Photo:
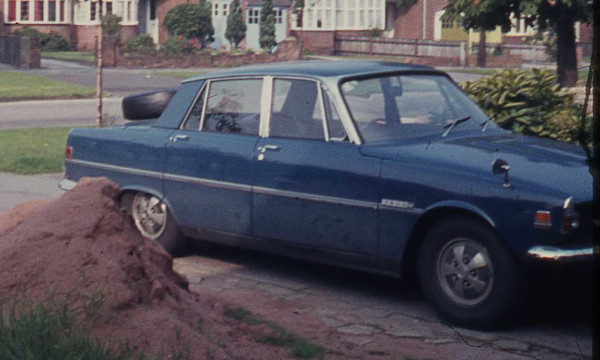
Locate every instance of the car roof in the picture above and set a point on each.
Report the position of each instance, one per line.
(319, 69)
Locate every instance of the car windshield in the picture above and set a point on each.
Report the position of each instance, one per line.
(391, 107)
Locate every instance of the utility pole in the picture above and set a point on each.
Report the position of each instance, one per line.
(99, 63)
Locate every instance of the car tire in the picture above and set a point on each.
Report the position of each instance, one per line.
(154, 221)
(468, 275)
(147, 105)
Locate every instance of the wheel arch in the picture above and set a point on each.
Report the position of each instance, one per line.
(432, 215)
(127, 193)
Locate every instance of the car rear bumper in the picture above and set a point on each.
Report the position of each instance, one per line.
(559, 254)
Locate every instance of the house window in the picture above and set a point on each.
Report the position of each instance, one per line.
(52, 10)
(447, 24)
(344, 15)
(93, 11)
(278, 16)
(39, 11)
(24, 10)
(224, 9)
(216, 9)
(253, 16)
(109, 8)
(12, 10)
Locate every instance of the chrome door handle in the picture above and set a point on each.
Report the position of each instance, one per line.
(262, 149)
(177, 138)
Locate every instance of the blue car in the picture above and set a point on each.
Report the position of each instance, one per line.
(382, 167)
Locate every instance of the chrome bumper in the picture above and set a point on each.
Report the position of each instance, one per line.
(557, 254)
(67, 184)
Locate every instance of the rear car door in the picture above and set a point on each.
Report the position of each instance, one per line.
(313, 187)
(207, 176)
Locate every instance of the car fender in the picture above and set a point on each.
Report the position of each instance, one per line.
(463, 205)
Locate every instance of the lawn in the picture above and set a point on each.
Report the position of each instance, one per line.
(79, 56)
(33, 151)
(19, 86)
(177, 74)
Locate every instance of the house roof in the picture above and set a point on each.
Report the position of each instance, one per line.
(278, 3)
(320, 69)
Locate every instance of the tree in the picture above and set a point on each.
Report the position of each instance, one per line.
(236, 28)
(112, 28)
(560, 15)
(191, 21)
(482, 15)
(267, 26)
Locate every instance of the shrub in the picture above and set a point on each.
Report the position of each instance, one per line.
(139, 45)
(177, 46)
(50, 42)
(111, 24)
(527, 102)
(191, 21)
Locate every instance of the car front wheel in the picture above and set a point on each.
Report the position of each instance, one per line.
(468, 275)
(154, 221)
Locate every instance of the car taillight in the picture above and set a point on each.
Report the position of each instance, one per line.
(543, 219)
(68, 152)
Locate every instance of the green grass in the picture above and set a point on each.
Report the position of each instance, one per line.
(33, 151)
(279, 336)
(79, 56)
(41, 331)
(18, 86)
(177, 74)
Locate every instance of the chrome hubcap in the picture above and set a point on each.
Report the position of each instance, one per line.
(149, 215)
(465, 272)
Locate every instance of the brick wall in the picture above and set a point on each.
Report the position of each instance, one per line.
(317, 42)
(23, 52)
(504, 61)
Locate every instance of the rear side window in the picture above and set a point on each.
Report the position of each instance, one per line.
(296, 110)
(233, 106)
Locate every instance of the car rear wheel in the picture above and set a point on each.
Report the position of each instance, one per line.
(154, 221)
(468, 275)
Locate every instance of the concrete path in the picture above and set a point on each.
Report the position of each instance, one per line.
(16, 189)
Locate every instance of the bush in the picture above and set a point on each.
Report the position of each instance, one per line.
(191, 21)
(139, 45)
(50, 42)
(177, 46)
(527, 102)
(111, 24)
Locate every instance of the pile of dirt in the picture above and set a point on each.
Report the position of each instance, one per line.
(82, 250)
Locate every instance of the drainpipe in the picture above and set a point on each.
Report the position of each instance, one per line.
(424, 19)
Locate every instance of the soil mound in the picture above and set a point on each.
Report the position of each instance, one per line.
(81, 249)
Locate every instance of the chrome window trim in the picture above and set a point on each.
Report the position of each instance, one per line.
(343, 112)
(189, 111)
(323, 114)
(266, 101)
(204, 103)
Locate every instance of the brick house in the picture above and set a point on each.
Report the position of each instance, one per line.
(76, 20)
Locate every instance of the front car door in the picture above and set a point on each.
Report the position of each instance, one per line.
(208, 167)
(313, 187)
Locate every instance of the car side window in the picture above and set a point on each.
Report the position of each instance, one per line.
(296, 110)
(193, 120)
(334, 122)
(233, 106)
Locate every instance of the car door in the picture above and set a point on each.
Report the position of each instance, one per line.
(208, 167)
(312, 186)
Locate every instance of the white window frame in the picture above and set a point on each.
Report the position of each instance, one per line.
(342, 15)
(45, 13)
(126, 9)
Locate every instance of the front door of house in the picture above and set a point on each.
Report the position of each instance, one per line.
(148, 20)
